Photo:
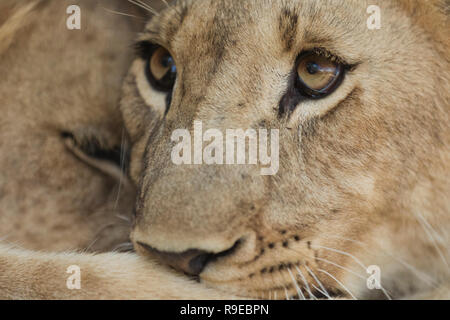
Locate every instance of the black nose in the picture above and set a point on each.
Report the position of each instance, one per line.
(191, 262)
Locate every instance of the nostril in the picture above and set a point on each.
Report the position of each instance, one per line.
(192, 262)
(198, 263)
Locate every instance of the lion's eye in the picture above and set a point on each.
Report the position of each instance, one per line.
(161, 69)
(317, 75)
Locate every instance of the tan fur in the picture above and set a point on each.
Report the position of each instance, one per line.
(50, 87)
(364, 173)
(54, 197)
(17, 21)
(32, 275)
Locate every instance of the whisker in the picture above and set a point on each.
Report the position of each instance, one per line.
(319, 290)
(357, 261)
(429, 226)
(274, 282)
(304, 279)
(354, 273)
(308, 289)
(123, 218)
(344, 253)
(299, 291)
(429, 231)
(340, 283)
(420, 274)
(166, 3)
(122, 167)
(122, 13)
(88, 248)
(171, 7)
(385, 292)
(98, 235)
(14, 245)
(144, 6)
(341, 267)
(323, 291)
(286, 293)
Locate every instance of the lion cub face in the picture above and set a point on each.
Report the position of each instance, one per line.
(363, 147)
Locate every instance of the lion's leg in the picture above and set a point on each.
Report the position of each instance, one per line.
(32, 275)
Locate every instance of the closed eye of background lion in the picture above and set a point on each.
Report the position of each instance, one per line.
(363, 179)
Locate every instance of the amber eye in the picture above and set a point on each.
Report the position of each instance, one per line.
(318, 76)
(161, 69)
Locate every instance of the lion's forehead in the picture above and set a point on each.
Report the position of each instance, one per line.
(209, 27)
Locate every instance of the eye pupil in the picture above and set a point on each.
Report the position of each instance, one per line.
(312, 68)
(166, 61)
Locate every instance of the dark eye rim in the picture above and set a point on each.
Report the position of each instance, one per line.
(145, 51)
(310, 93)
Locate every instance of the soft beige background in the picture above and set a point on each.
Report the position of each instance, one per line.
(52, 81)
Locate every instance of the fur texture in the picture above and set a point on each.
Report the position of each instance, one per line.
(364, 173)
(59, 88)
